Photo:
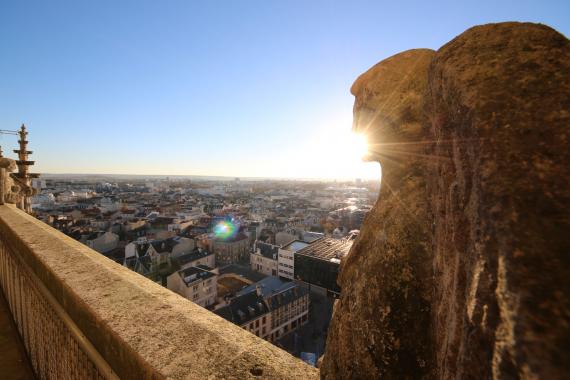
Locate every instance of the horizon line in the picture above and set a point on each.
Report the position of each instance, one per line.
(214, 176)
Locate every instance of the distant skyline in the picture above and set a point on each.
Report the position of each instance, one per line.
(217, 88)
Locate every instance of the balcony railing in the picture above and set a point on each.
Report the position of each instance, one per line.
(82, 316)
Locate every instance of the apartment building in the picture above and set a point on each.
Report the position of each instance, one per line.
(264, 258)
(198, 284)
(231, 250)
(288, 305)
(286, 258)
(318, 264)
(249, 311)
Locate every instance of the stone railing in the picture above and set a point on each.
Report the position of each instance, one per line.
(80, 315)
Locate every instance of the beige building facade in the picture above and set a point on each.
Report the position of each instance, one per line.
(264, 259)
(231, 250)
(198, 284)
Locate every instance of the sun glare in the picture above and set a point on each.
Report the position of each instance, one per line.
(358, 145)
(341, 155)
(335, 152)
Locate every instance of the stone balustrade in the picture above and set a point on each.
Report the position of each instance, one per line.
(80, 315)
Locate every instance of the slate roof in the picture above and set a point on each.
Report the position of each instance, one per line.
(286, 296)
(161, 246)
(268, 250)
(93, 235)
(275, 291)
(164, 246)
(244, 308)
(196, 274)
(196, 254)
(161, 220)
(268, 286)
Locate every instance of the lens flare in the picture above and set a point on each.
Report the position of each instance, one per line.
(224, 230)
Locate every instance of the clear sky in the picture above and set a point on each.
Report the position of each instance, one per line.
(236, 87)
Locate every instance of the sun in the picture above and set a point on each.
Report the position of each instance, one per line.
(337, 153)
(356, 145)
(361, 145)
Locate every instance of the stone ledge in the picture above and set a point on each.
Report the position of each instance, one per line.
(143, 330)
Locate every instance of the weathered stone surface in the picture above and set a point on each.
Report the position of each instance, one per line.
(462, 269)
(141, 329)
(9, 191)
(383, 313)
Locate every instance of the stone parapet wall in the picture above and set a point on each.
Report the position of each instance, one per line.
(140, 329)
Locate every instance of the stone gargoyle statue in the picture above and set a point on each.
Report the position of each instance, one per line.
(10, 191)
(462, 268)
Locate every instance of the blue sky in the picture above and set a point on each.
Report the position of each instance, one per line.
(237, 88)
